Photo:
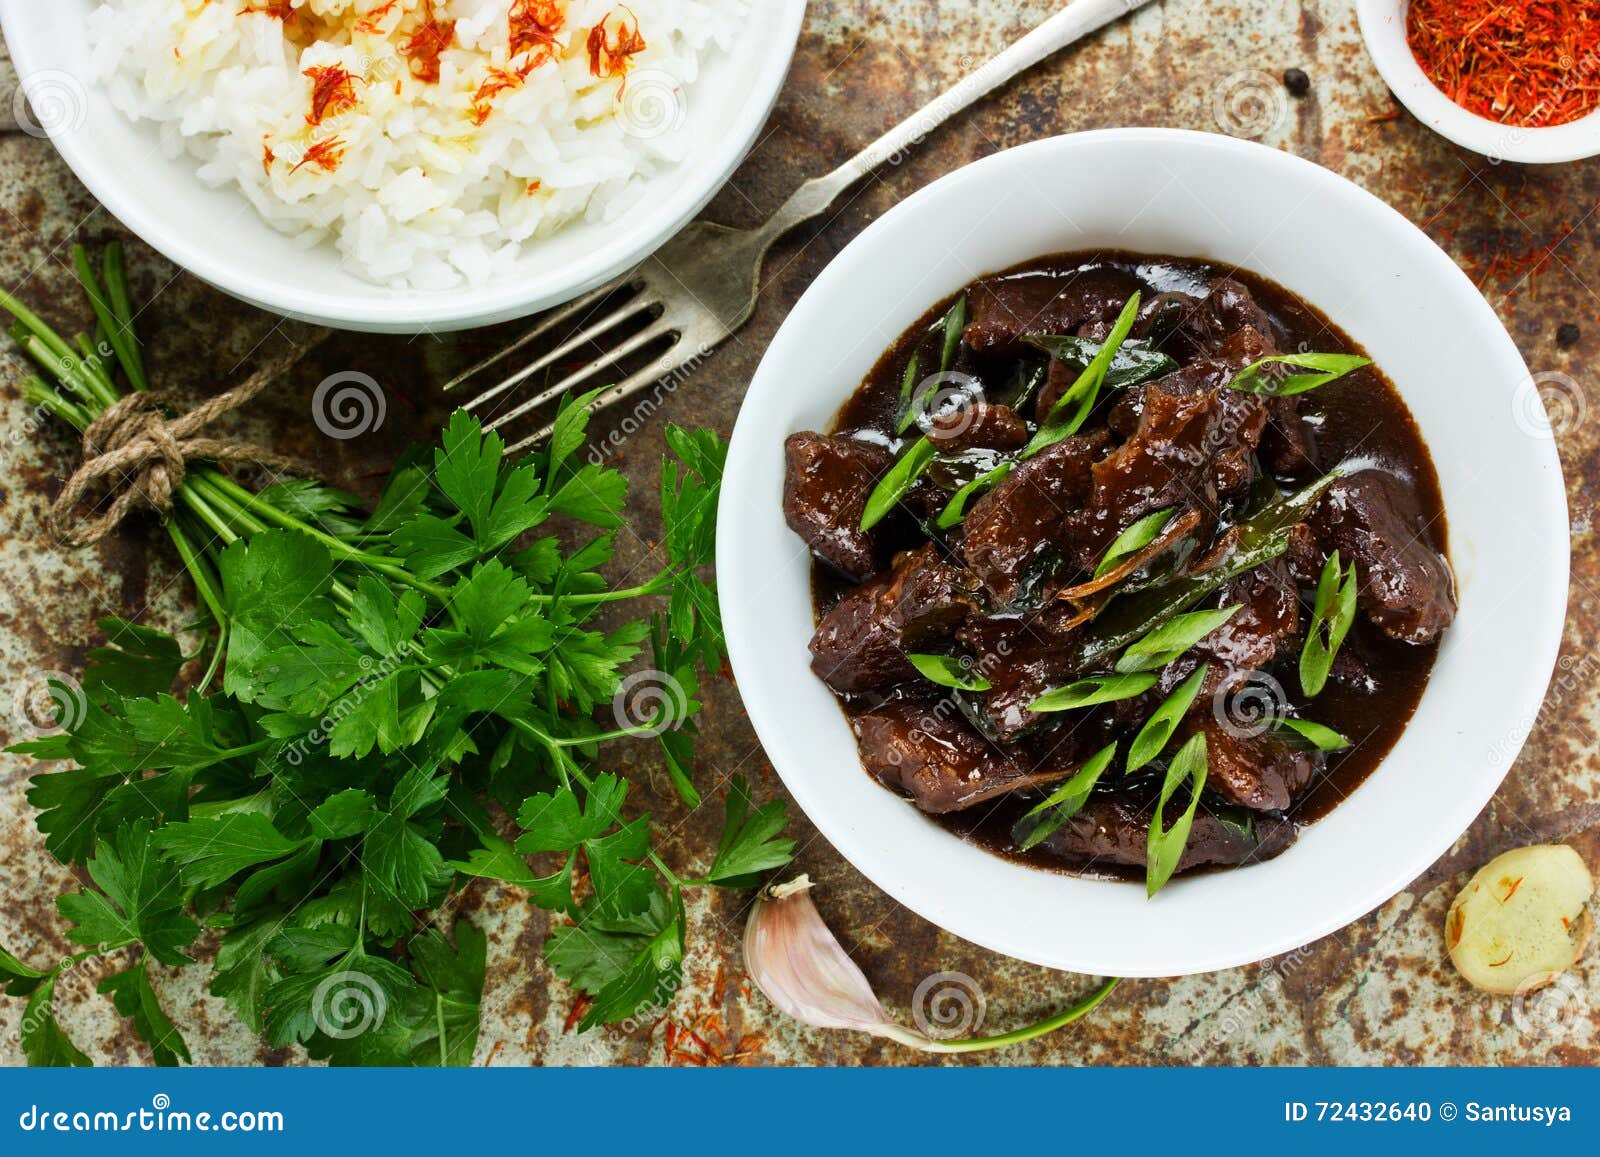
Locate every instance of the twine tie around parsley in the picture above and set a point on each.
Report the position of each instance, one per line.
(133, 451)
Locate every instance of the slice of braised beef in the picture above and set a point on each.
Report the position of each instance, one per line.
(980, 426)
(861, 644)
(1002, 309)
(1247, 763)
(1303, 558)
(1114, 830)
(825, 490)
(1270, 617)
(1058, 380)
(1227, 309)
(1022, 658)
(1160, 322)
(1242, 417)
(1167, 463)
(1286, 445)
(1376, 521)
(927, 751)
(1010, 530)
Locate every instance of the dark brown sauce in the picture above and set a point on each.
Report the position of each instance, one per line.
(1360, 415)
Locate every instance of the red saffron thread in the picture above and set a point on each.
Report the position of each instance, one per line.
(372, 22)
(497, 81)
(333, 91)
(277, 9)
(426, 44)
(533, 27)
(612, 42)
(324, 154)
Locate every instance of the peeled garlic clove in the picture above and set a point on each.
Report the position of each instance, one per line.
(1521, 921)
(801, 967)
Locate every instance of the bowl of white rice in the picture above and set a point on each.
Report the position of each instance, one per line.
(402, 165)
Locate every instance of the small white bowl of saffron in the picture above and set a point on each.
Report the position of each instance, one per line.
(1384, 25)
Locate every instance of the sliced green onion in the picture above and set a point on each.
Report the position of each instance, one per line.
(896, 482)
(1083, 391)
(908, 411)
(1134, 539)
(1164, 644)
(1164, 846)
(949, 672)
(1331, 618)
(1063, 803)
(1318, 736)
(955, 322)
(1093, 691)
(1329, 366)
(1153, 736)
(956, 509)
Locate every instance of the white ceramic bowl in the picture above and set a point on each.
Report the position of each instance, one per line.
(1190, 194)
(1383, 27)
(215, 234)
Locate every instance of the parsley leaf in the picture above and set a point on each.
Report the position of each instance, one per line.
(43, 1042)
(139, 899)
(133, 997)
(750, 843)
(209, 851)
(136, 660)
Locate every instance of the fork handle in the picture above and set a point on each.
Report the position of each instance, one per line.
(1073, 23)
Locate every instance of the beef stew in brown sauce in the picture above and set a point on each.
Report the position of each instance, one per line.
(1125, 565)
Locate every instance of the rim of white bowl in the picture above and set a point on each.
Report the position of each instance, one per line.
(459, 307)
(744, 581)
(1383, 28)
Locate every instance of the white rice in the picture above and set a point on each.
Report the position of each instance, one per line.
(422, 196)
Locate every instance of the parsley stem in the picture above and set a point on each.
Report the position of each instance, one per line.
(233, 753)
(650, 588)
(202, 509)
(205, 584)
(116, 280)
(620, 733)
(223, 486)
(36, 390)
(672, 877)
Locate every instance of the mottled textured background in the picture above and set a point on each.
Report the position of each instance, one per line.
(1378, 992)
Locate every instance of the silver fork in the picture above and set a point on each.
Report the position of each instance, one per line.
(701, 286)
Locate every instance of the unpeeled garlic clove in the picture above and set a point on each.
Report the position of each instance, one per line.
(801, 966)
(803, 969)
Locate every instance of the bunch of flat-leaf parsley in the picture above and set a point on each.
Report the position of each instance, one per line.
(375, 691)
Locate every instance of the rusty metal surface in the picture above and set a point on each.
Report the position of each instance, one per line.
(1377, 992)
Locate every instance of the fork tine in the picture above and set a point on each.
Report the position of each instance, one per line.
(619, 392)
(658, 328)
(630, 308)
(544, 325)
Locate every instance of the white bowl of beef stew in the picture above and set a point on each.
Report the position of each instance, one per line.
(1326, 266)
